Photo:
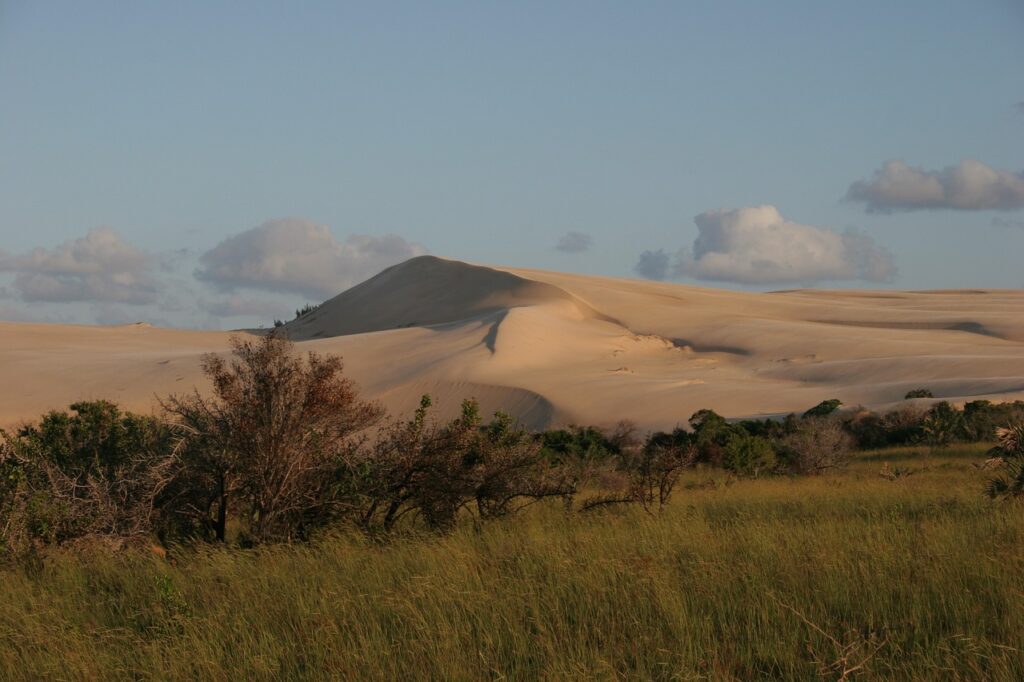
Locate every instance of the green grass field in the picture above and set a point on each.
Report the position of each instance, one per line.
(920, 577)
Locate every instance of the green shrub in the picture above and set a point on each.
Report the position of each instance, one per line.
(824, 408)
(748, 455)
(982, 418)
(577, 444)
(1011, 448)
(943, 424)
(918, 393)
(96, 471)
(711, 433)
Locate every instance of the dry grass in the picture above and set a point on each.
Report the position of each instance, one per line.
(917, 577)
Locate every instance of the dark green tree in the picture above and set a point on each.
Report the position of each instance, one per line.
(824, 408)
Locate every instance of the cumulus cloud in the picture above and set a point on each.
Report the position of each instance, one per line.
(757, 245)
(99, 267)
(968, 186)
(298, 256)
(574, 242)
(653, 265)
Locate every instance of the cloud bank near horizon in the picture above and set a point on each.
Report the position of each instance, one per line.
(100, 267)
(259, 274)
(298, 256)
(756, 245)
(968, 186)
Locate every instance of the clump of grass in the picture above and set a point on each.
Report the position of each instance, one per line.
(791, 578)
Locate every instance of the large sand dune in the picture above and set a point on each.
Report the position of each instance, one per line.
(554, 348)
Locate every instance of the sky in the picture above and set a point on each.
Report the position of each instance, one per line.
(217, 165)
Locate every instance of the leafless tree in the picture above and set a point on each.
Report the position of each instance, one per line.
(817, 445)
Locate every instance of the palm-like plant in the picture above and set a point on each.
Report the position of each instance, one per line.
(1011, 447)
(1011, 439)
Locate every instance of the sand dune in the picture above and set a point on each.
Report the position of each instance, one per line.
(429, 291)
(554, 348)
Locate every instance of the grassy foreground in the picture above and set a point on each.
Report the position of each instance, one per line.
(919, 577)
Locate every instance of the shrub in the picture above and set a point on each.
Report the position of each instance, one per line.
(982, 418)
(918, 393)
(429, 472)
(748, 455)
(904, 426)
(769, 428)
(93, 472)
(942, 424)
(652, 473)
(711, 432)
(867, 429)
(271, 446)
(577, 444)
(305, 310)
(677, 437)
(1011, 447)
(817, 445)
(824, 408)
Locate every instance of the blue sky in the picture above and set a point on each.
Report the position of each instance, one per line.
(236, 159)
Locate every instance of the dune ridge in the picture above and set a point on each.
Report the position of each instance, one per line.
(554, 348)
(427, 291)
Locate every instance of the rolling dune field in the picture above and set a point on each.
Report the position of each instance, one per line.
(554, 348)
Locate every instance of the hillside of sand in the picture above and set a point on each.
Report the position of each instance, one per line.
(554, 348)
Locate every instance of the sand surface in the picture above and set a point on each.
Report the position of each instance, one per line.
(554, 348)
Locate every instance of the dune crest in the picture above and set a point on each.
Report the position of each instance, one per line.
(554, 348)
(427, 291)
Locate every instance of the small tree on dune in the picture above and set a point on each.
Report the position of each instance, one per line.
(918, 393)
(824, 408)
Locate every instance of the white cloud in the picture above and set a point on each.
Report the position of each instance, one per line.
(298, 256)
(574, 242)
(968, 186)
(757, 245)
(99, 267)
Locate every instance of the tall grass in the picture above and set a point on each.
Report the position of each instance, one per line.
(914, 578)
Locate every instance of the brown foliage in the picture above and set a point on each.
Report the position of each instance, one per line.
(652, 473)
(422, 470)
(92, 473)
(271, 446)
(817, 445)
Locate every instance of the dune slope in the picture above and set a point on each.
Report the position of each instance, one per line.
(554, 348)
